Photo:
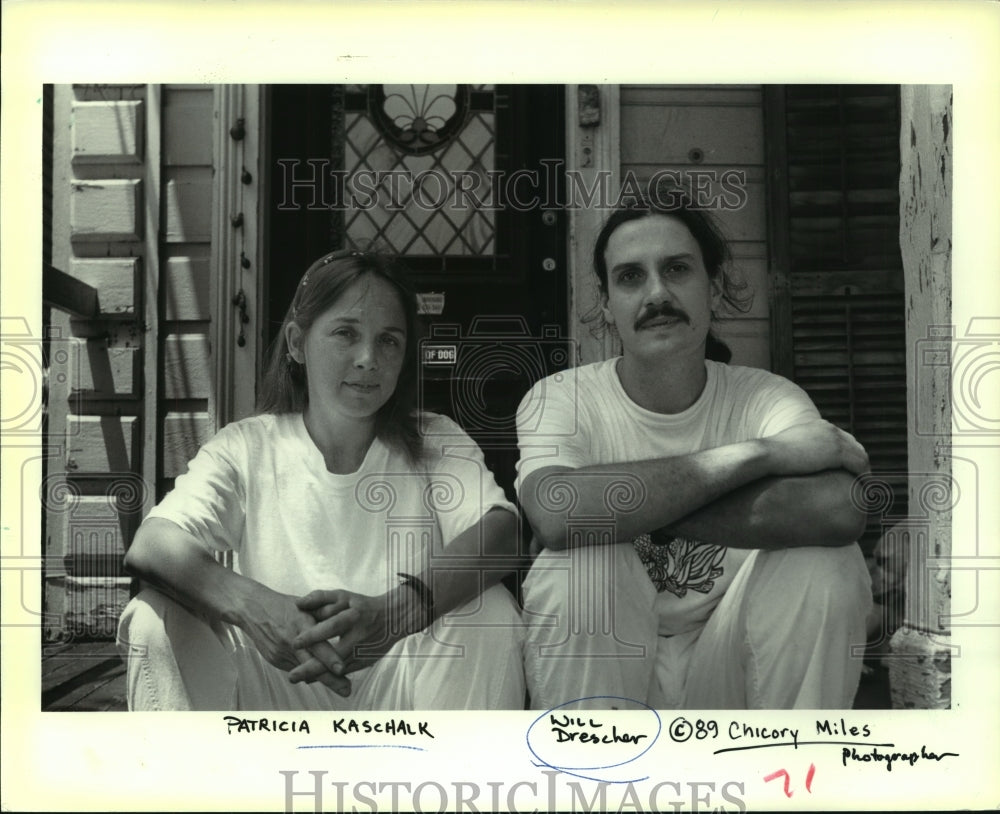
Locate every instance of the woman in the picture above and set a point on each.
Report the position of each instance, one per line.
(349, 524)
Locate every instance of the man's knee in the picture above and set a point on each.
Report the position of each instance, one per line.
(602, 575)
(839, 574)
(597, 600)
(834, 578)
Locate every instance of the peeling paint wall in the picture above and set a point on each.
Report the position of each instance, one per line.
(920, 653)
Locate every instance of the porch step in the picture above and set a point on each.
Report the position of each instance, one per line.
(83, 676)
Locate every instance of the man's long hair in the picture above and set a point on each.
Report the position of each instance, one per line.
(714, 252)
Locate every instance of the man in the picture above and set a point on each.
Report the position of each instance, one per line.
(696, 517)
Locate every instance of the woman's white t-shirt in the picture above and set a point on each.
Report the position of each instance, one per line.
(261, 488)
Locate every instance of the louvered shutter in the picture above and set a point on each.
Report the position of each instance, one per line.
(839, 310)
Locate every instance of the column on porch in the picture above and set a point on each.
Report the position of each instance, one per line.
(920, 650)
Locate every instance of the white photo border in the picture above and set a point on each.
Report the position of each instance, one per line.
(109, 761)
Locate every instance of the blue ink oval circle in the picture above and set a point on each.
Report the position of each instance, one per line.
(555, 765)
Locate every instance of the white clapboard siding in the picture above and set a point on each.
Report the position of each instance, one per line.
(752, 270)
(667, 133)
(670, 131)
(748, 340)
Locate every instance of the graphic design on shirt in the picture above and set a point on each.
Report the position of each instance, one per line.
(678, 564)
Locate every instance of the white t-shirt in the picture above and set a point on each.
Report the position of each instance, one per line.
(583, 417)
(261, 488)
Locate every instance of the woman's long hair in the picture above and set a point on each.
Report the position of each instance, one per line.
(284, 388)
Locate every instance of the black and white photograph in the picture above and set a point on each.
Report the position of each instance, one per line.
(573, 438)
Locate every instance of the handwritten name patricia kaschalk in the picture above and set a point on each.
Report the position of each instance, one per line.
(341, 726)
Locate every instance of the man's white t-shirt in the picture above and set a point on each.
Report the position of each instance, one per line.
(583, 417)
(261, 488)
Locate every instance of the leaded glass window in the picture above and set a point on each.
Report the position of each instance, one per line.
(418, 159)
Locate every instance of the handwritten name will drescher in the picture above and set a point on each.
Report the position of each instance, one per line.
(587, 730)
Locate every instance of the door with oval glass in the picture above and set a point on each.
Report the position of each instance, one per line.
(464, 182)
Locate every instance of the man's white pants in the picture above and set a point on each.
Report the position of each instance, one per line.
(468, 659)
(789, 633)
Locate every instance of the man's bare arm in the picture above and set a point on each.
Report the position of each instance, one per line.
(672, 489)
(773, 513)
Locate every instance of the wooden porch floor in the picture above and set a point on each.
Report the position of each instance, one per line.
(90, 676)
(83, 677)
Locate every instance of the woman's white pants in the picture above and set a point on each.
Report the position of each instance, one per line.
(468, 659)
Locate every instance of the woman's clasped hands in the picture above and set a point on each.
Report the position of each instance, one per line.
(349, 631)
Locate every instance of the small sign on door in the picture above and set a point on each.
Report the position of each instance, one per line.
(440, 354)
(430, 303)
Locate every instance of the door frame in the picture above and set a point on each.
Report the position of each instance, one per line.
(591, 149)
(238, 244)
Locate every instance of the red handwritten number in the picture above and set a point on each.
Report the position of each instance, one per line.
(787, 784)
(776, 775)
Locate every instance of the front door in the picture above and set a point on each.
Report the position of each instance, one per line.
(464, 182)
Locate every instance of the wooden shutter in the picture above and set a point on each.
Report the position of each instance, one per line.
(838, 301)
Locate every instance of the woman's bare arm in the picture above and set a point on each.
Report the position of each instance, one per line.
(171, 560)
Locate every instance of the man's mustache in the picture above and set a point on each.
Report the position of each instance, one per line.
(661, 310)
